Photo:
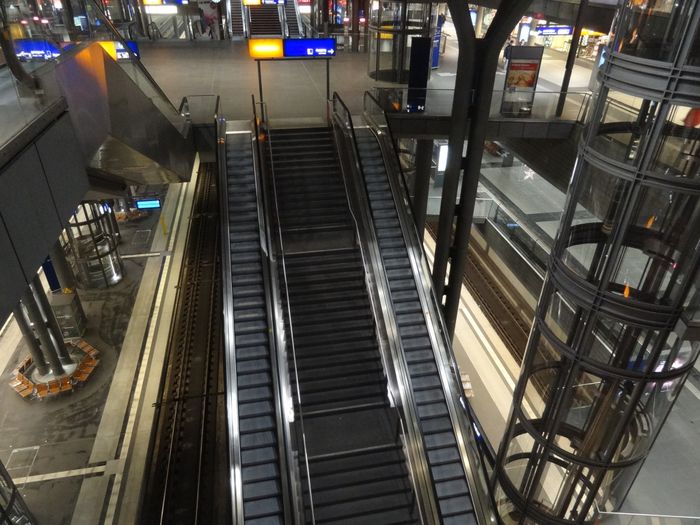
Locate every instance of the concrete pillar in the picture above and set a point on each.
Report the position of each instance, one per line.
(47, 343)
(61, 267)
(34, 349)
(51, 323)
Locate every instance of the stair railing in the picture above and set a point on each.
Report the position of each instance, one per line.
(474, 451)
(284, 338)
(389, 340)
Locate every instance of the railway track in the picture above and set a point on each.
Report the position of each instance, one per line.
(187, 481)
(498, 308)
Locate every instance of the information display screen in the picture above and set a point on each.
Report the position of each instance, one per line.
(309, 47)
(147, 204)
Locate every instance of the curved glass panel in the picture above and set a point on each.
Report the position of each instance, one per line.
(625, 122)
(677, 150)
(652, 29)
(600, 198)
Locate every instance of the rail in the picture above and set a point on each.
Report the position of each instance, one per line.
(464, 422)
(379, 296)
(228, 329)
(505, 104)
(277, 261)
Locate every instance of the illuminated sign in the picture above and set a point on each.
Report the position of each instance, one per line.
(36, 50)
(262, 48)
(554, 30)
(252, 2)
(148, 204)
(309, 47)
(265, 48)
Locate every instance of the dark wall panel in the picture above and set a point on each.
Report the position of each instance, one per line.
(28, 210)
(64, 166)
(12, 282)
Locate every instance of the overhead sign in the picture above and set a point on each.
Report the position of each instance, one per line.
(554, 30)
(309, 47)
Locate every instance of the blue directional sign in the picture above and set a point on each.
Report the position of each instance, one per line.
(309, 47)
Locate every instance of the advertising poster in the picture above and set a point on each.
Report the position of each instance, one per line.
(521, 80)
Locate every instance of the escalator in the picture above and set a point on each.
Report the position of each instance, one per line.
(354, 468)
(451, 449)
(444, 458)
(237, 25)
(292, 16)
(259, 449)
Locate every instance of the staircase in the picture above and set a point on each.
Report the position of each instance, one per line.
(237, 18)
(357, 469)
(265, 21)
(290, 9)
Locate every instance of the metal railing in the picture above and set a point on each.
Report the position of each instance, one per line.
(505, 104)
(285, 339)
(389, 340)
(474, 452)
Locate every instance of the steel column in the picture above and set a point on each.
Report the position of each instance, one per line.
(50, 319)
(487, 51)
(47, 343)
(421, 184)
(34, 349)
(571, 58)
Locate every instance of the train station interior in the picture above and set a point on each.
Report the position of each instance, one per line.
(349, 262)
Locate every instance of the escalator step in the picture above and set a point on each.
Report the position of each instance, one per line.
(262, 489)
(455, 487)
(257, 440)
(257, 456)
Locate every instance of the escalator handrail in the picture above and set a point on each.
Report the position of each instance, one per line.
(275, 249)
(422, 486)
(234, 456)
(462, 417)
(292, 503)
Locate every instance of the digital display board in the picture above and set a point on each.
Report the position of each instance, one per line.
(554, 30)
(309, 47)
(148, 204)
